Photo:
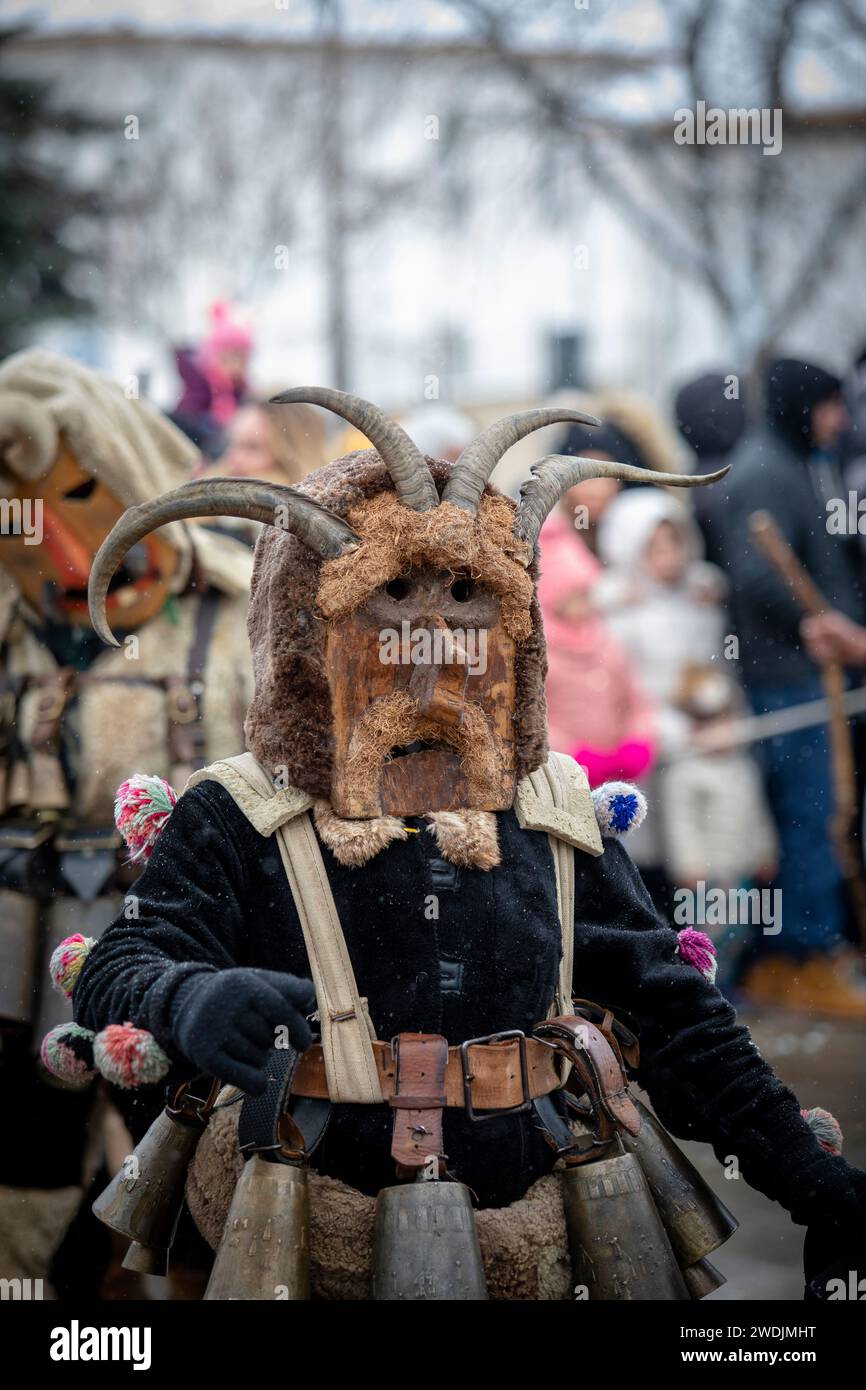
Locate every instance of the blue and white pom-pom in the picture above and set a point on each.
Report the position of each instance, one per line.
(618, 807)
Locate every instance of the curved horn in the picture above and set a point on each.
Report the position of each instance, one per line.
(403, 459)
(553, 476)
(28, 435)
(478, 460)
(274, 505)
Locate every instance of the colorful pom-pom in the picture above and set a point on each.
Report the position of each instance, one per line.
(128, 1056)
(695, 948)
(67, 1053)
(142, 806)
(618, 807)
(825, 1127)
(67, 961)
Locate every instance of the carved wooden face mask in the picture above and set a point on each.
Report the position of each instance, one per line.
(422, 691)
(54, 515)
(408, 641)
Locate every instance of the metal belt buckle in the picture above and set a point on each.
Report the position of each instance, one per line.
(468, 1077)
(182, 704)
(50, 703)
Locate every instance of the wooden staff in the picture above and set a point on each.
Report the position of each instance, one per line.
(806, 592)
(756, 728)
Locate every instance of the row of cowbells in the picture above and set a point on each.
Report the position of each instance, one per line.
(641, 1224)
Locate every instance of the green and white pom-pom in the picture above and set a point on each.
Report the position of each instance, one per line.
(825, 1127)
(68, 960)
(67, 1054)
(128, 1056)
(142, 807)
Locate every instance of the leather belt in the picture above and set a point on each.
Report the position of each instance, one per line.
(598, 1072)
(418, 1101)
(489, 1074)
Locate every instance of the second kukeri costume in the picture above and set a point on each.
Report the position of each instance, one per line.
(398, 832)
(76, 718)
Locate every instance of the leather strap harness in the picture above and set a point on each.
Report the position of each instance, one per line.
(502, 1074)
(482, 1074)
(266, 1126)
(581, 1053)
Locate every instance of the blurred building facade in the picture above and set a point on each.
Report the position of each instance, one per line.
(390, 211)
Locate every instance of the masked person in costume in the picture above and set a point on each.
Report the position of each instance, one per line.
(76, 719)
(398, 866)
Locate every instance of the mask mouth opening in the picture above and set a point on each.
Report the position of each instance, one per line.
(121, 579)
(135, 574)
(418, 745)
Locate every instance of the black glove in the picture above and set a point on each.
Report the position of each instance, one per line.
(834, 1268)
(835, 1245)
(225, 1021)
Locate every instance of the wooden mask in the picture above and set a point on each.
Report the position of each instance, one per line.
(66, 513)
(422, 686)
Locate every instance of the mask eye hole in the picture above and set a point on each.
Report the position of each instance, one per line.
(397, 589)
(82, 492)
(462, 589)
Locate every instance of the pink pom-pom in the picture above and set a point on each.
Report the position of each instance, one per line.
(128, 1056)
(67, 961)
(826, 1129)
(695, 948)
(141, 808)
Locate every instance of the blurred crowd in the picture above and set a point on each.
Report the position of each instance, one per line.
(667, 628)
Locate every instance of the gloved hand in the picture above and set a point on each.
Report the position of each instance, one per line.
(834, 1266)
(225, 1021)
(835, 1245)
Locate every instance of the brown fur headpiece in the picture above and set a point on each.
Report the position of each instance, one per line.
(294, 593)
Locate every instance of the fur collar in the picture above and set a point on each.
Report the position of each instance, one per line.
(466, 838)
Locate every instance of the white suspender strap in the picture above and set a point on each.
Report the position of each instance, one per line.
(344, 1021)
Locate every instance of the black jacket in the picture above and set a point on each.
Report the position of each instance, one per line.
(214, 895)
(768, 473)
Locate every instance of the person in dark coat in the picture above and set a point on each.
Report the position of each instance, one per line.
(214, 958)
(712, 422)
(788, 467)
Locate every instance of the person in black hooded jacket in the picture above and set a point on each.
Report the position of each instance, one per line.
(788, 467)
(712, 422)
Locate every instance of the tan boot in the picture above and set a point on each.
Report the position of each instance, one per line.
(769, 981)
(826, 984)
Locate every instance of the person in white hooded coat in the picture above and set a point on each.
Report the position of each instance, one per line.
(667, 607)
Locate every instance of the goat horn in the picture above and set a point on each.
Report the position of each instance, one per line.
(553, 476)
(247, 498)
(403, 459)
(478, 460)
